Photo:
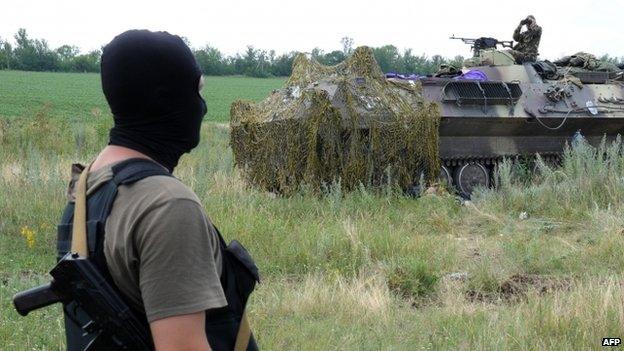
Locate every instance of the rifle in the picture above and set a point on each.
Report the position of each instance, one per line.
(77, 279)
(478, 44)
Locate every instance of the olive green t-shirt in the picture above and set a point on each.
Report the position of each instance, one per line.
(161, 249)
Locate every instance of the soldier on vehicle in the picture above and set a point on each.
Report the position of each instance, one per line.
(526, 49)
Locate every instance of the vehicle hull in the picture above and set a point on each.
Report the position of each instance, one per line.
(495, 137)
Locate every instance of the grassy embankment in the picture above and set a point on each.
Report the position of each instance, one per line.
(346, 271)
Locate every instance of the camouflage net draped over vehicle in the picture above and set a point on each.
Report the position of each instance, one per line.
(344, 124)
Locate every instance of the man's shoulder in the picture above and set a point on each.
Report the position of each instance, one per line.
(158, 190)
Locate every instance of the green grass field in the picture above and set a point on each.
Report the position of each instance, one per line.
(358, 271)
(79, 95)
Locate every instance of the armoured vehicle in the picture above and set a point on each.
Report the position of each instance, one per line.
(353, 123)
(520, 110)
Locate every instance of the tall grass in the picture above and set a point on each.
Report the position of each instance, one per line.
(588, 179)
(360, 270)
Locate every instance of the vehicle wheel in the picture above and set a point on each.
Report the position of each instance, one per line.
(445, 177)
(470, 176)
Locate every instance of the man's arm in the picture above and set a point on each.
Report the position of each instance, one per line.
(178, 273)
(180, 333)
(516, 34)
(535, 33)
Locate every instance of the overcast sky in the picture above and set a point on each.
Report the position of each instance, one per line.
(568, 26)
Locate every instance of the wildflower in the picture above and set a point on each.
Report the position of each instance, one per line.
(29, 235)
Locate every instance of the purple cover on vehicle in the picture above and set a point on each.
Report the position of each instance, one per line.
(411, 76)
(474, 74)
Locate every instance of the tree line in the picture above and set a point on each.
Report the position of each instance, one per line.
(29, 54)
(36, 55)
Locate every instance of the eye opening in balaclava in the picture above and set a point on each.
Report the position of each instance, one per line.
(151, 82)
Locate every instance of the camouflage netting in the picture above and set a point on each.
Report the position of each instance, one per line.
(582, 61)
(345, 124)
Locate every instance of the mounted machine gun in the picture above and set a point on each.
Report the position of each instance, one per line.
(482, 43)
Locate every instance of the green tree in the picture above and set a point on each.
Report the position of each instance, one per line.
(612, 59)
(67, 52)
(6, 54)
(66, 55)
(34, 54)
(211, 61)
(434, 63)
(262, 65)
(414, 64)
(388, 58)
(334, 58)
(249, 60)
(86, 63)
(282, 65)
(317, 54)
(330, 59)
(457, 61)
(347, 45)
(254, 63)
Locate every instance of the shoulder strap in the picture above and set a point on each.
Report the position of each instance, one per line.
(125, 172)
(79, 228)
(135, 169)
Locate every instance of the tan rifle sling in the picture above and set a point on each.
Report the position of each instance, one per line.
(79, 227)
(244, 334)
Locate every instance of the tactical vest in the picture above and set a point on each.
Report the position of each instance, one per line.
(238, 276)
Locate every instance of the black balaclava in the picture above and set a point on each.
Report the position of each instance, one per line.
(150, 80)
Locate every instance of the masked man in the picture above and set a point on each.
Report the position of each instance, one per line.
(160, 249)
